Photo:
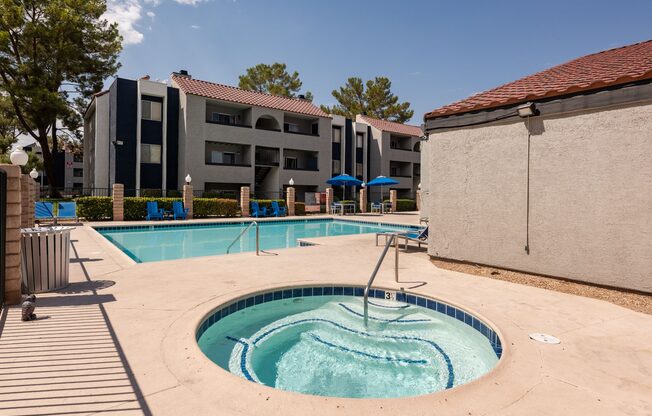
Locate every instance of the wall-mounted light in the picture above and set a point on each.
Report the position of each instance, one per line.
(419, 185)
(291, 182)
(33, 174)
(188, 179)
(18, 157)
(527, 110)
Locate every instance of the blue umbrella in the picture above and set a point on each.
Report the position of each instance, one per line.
(382, 181)
(344, 181)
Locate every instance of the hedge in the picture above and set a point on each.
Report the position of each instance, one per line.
(267, 203)
(403, 205)
(95, 208)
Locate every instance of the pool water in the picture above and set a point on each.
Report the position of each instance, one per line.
(156, 243)
(320, 345)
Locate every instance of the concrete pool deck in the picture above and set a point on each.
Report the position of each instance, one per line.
(129, 348)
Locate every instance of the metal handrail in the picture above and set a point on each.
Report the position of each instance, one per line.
(244, 231)
(392, 239)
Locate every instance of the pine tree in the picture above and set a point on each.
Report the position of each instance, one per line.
(273, 79)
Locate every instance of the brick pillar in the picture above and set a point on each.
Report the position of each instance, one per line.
(13, 222)
(290, 199)
(118, 202)
(329, 200)
(24, 200)
(363, 200)
(393, 199)
(245, 194)
(418, 200)
(187, 199)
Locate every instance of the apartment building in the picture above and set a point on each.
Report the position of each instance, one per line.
(149, 135)
(68, 168)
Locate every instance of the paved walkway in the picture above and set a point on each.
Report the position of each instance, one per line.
(129, 348)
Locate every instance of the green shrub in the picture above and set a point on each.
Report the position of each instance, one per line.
(403, 205)
(151, 193)
(299, 208)
(214, 207)
(135, 208)
(95, 208)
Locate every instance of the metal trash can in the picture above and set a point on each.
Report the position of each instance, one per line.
(45, 253)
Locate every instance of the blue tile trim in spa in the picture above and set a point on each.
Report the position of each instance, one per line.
(329, 290)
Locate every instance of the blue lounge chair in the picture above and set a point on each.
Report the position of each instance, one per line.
(178, 211)
(420, 237)
(278, 211)
(153, 211)
(257, 211)
(44, 211)
(67, 211)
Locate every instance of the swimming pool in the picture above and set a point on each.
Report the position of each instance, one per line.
(147, 243)
(313, 340)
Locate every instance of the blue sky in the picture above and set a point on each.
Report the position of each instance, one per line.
(434, 52)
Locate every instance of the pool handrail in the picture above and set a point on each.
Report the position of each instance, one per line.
(392, 239)
(244, 231)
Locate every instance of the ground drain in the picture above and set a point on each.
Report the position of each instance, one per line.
(545, 338)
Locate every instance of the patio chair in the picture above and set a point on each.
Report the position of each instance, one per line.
(257, 211)
(278, 211)
(153, 211)
(376, 208)
(178, 211)
(67, 211)
(43, 211)
(335, 207)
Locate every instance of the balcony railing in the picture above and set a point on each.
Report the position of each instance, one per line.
(267, 157)
(225, 123)
(246, 165)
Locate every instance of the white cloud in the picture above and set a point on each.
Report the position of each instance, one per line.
(151, 14)
(126, 13)
(189, 2)
(153, 2)
(195, 27)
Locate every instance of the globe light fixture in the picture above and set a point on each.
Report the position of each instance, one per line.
(364, 185)
(291, 182)
(33, 174)
(188, 179)
(18, 157)
(419, 185)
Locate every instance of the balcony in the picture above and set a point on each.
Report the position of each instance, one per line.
(300, 160)
(299, 125)
(400, 143)
(228, 115)
(227, 154)
(416, 169)
(400, 169)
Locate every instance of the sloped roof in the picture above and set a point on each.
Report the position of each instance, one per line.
(237, 95)
(591, 72)
(393, 127)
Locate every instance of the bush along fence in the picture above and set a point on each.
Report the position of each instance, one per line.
(130, 208)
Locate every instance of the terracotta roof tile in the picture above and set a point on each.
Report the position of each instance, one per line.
(599, 70)
(393, 127)
(237, 95)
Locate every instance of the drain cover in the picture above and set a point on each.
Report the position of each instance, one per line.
(545, 338)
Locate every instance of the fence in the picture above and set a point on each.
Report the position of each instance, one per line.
(147, 193)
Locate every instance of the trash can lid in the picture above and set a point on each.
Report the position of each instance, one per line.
(46, 230)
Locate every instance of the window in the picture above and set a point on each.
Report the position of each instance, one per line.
(227, 158)
(315, 129)
(336, 167)
(78, 172)
(151, 110)
(337, 135)
(358, 169)
(290, 162)
(291, 127)
(150, 153)
(359, 140)
(222, 118)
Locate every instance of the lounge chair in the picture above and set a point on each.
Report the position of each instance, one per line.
(43, 211)
(278, 211)
(153, 211)
(67, 211)
(376, 208)
(420, 237)
(178, 211)
(257, 211)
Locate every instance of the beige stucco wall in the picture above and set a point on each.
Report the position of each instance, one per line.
(590, 196)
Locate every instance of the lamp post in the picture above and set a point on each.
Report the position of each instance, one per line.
(291, 182)
(188, 179)
(18, 157)
(33, 174)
